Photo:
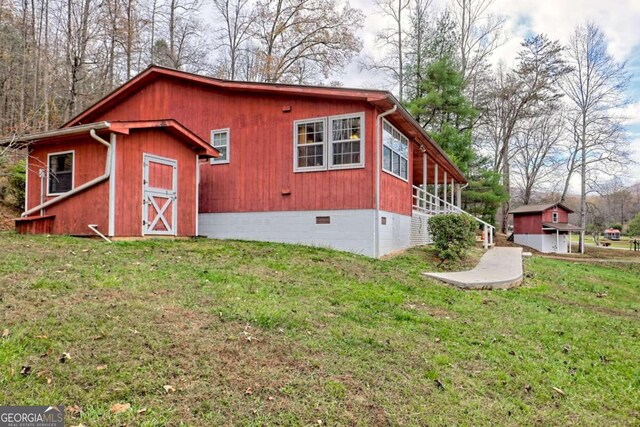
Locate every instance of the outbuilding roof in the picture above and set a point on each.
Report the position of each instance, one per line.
(203, 148)
(538, 208)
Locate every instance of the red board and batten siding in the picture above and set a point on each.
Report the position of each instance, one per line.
(72, 216)
(563, 216)
(260, 172)
(129, 157)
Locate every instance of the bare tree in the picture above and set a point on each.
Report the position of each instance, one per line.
(537, 155)
(390, 39)
(519, 94)
(234, 33)
(291, 35)
(479, 35)
(595, 88)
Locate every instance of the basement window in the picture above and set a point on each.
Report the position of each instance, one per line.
(60, 176)
(220, 141)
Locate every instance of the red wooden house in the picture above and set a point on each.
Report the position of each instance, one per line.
(189, 155)
(544, 227)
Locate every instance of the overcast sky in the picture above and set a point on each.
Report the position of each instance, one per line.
(619, 20)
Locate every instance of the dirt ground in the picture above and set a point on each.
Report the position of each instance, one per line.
(7, 215)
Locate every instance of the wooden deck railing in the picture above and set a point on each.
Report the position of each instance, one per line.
(430, 204)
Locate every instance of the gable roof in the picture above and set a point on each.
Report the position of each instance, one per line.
(538, 208)
(203, 148)
(380, 98)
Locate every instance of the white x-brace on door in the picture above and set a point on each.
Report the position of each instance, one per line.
(159, 196)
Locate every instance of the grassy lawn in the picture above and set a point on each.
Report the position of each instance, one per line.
(205, 332)
(623, 243)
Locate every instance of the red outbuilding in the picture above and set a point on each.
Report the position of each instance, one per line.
(114, 178)
(544, 227)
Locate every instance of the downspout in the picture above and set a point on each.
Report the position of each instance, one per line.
(378, 139)
(84, 186)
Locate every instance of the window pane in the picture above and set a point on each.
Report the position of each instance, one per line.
(223, 154)
(310, 155)
(345, 153)
(60, 173)
(395, 151)
(346, 129)
(386, 159)
(395, 168)
(311, 133)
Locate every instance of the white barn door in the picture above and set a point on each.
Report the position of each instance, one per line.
(159, 196)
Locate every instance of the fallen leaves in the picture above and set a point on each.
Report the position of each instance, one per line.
(439, 384)
(248, 391)
(26, 370)
(73, 409)
(119, 408)
(101, 367)
(46, 375)
(559, 391)
(65, 356)
(141, 411)
(5, 333)
(169, 388)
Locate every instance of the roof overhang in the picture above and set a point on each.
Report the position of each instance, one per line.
(202, 148)
(561, 226)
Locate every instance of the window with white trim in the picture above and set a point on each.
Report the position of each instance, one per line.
(220, 141)
(310, 144)
(60, 176)
(395, 152)
(346, 141)
(554, 217)
(334, 142)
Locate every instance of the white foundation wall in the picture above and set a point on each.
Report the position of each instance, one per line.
(545, 243)
(395, 235)
(348, 230)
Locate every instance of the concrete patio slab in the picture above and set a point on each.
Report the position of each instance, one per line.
(499, 268)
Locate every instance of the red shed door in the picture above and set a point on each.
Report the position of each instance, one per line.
(159, 196)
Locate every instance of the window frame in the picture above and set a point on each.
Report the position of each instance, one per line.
(296, 123)
(330, 141)
(73, 171)
(555, 217)
(327, 144)
(214, 160)
(390, 172)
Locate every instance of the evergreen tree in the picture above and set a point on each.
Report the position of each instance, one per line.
(444, 111)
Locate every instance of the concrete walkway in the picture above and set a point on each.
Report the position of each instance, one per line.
(499, 268)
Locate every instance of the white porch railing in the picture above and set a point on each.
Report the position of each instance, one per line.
(426, 203)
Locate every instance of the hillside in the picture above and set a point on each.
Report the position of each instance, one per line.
(206, 332)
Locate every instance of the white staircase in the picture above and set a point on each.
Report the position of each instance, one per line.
(426, 204)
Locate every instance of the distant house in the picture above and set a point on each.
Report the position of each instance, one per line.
(544, 227)
(177, 154)
(612, 234)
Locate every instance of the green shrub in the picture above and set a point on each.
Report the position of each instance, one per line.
(452, 234)
(634, 226)
(14, 195)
